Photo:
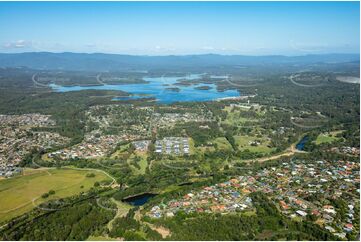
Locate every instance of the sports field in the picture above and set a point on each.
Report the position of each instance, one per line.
(20, 194)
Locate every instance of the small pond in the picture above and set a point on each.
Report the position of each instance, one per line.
(139, 200)
(301, 145)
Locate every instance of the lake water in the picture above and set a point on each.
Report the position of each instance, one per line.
(140, 199)
(156, 87)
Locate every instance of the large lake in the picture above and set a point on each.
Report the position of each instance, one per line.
(158, 88)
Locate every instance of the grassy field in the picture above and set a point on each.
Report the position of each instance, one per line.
(20, 194)
(222, 143)
(192, 149)
(328, 137)
(243, 143)
(121, 152)
(100, 238)
(235, 118)
(142, 163)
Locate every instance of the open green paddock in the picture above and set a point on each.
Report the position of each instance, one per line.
(328, 137)
(20, 194)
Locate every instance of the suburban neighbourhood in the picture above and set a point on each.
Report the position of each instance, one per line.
(20, 135)
(299, 189)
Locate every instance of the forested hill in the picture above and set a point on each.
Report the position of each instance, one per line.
(105, 62)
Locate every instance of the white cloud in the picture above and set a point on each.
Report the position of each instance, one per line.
(18, 44)
(208, 48)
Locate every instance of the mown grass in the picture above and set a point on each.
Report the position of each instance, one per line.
(327, 137)
(222, 143)
(100, 238)
(142, 163)
(17, 193)
(235, 118)
(243, 143)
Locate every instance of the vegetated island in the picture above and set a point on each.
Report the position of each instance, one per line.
(173, 89)
(203, 88)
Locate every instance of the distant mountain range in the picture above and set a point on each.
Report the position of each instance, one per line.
(112, 62)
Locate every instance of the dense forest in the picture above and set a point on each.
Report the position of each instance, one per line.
(75, 222)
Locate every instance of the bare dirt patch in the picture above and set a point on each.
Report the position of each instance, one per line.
(348, 79)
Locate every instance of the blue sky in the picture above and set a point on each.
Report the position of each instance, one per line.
(162, 28)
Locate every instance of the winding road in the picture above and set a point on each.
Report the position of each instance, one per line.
(303, 85)
(36, 83)
(99, 80)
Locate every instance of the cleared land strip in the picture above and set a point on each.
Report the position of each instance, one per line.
(289, 152)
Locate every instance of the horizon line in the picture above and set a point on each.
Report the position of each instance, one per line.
(168, 55)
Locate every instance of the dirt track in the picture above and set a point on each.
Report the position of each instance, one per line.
(289, 152)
